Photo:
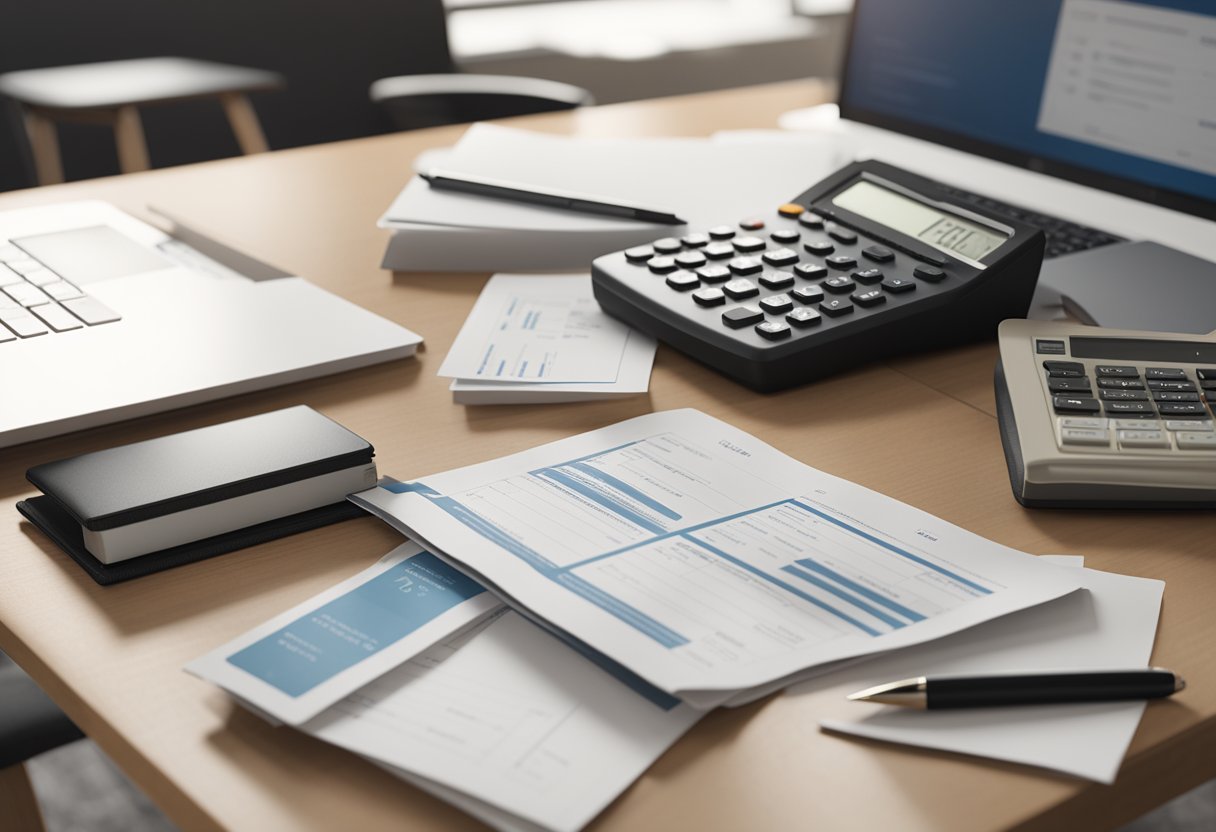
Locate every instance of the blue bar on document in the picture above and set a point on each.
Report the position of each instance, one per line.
(626, 488)
(601, 499)
(815, 566)
(890, 621)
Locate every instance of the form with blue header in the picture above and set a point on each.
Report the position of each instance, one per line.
(706, 561)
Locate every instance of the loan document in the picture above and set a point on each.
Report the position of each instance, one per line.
(706, 561)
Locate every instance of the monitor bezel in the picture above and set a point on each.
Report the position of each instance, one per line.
(1135, 189)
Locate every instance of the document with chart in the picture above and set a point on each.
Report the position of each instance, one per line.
(706, 561)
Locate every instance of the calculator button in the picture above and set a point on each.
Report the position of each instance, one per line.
(1069, 385)
(721, 232)
(773, 330)
(1118, 395)
(871, 297)
(745, 265)
(1206, 373)
(777, 280)
(745, 245)
(667, 245)
(803, 317)
(662, 265)
(695, 240)
(896, 285)
(780, 257)
(839, 285)
(1111, 371)
(840, 261)
(719, 251)
(809, 220)
(819, 247)
(741, 316)
(807, 294)
(639, 254)
(790, 209)
(1182, 409)
(1196, 441)
(1143, 439)
(1208, 385)
(868, 276)
(1180, 386)
(714, 274)
(690, 259)
(929, 274)
(751, 224)
(1135, 424)
(840, 234)
(1121, 383)
(1064, 369)
(878, 254)
(741, 288)
(1172, 373)
(785, 236)
(1129, 408)
(810, 271)
(777, 304)
(683, 281)
(1085, 436)
(1081, 421)
(709, 296)
(1075, 404)
(836, 307)
(1188, 424)
(1174, 396)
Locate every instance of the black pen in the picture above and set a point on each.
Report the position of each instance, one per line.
(541, 196)
(939, 692)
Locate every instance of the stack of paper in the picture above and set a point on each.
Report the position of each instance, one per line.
(708, 563)
(414, 667)
(543, 338)
(706, 181)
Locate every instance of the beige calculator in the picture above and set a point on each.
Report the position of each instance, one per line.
(1107, 418)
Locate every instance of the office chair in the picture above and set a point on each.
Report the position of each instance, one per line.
(30, 724)
(414, 101)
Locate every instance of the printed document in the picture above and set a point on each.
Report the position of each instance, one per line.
(510, 725)
(706, 561)
(541, 329)
(299, 663)
(1111, 626)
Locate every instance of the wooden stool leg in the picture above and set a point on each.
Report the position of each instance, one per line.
(129, 136)
(18, 807)
(244, 123)
(44, 145)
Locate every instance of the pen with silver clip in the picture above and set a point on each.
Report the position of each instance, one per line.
(939, 692)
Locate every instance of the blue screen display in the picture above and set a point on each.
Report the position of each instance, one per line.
(1126, 89)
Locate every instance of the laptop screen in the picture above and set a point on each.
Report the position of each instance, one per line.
(1118, 95)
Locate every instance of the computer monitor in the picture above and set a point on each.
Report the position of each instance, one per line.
(1112, 94)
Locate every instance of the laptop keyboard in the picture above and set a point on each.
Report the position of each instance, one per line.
(1063, 237)
(36, 301)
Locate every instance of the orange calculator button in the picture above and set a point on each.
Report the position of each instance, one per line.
(790, 209)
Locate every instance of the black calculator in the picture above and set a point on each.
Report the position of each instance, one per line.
(871, 262)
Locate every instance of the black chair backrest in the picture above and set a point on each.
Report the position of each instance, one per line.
(330, 52)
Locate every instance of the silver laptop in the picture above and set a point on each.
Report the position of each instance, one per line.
(104, 317)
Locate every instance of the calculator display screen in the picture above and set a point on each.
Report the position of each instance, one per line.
(1144, 349)
(945, 232)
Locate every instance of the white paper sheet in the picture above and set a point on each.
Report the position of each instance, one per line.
(301, 662)
(539, 329)
(705, 182)
(1110, 626)
(513, 726)
(706, 561)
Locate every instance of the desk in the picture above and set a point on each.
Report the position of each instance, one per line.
(920, 429)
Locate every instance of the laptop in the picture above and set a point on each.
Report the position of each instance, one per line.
(1092, 119)
(104, 317)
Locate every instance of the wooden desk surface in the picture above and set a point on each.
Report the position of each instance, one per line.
(919, 429)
